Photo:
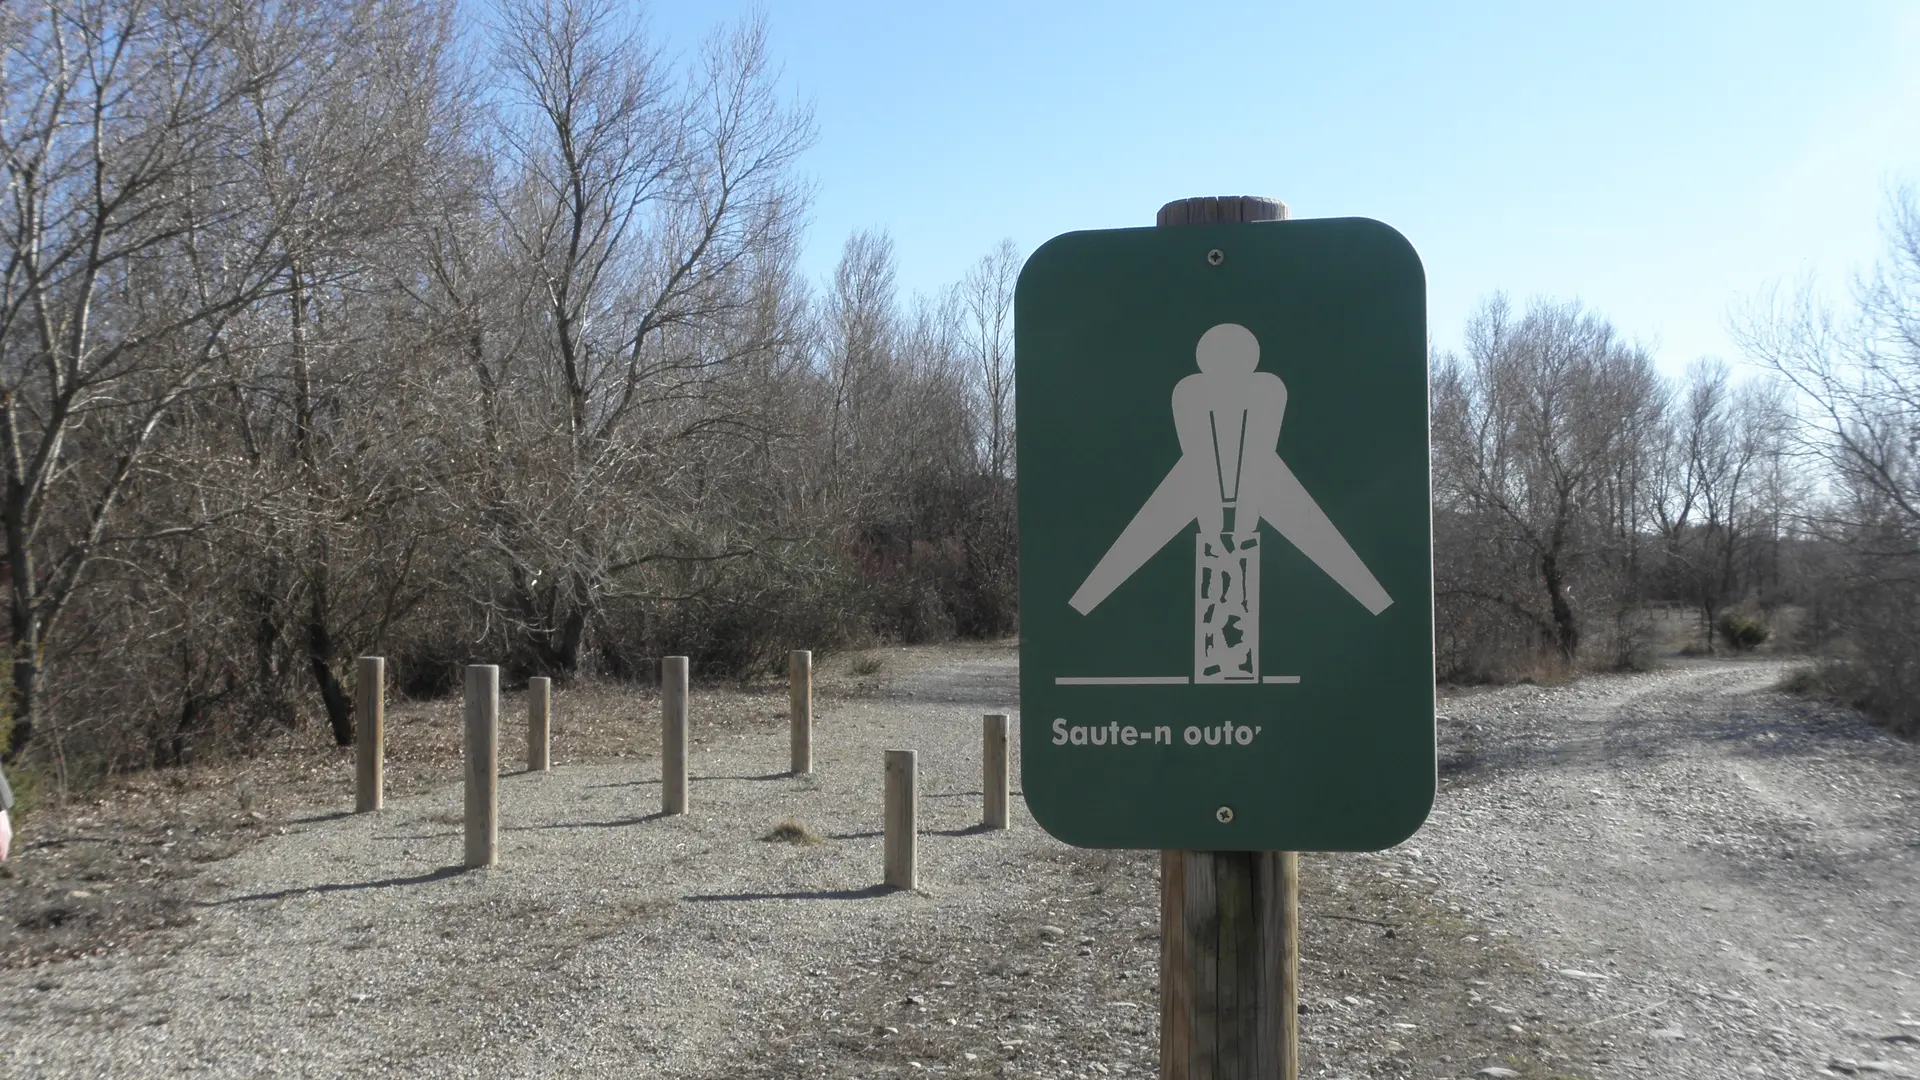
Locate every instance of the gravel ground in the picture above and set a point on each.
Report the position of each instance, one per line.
(1732, 873)
(1679, 874)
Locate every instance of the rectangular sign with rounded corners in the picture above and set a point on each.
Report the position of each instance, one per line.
(1226, 573)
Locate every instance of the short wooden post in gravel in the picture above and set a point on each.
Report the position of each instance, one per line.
(902, 819)
(1229, 920)
(673, 735)
(483, 764)
(369, 733)
(539, 723)
(800, 708)
(993, 770)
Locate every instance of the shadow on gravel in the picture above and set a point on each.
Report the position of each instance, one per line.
(656, 782)
(1775, 727)
(867, 893)
(1803, 728)
(315, 819)
(620, 823)
(855, 835)
(968, 831)
(1757, 724)
(352, 886)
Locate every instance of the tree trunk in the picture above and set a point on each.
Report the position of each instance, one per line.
(1566, 630)
(320, 659)
(21, 698)
(25, 627)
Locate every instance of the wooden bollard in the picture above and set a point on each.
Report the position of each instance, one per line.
(903, 818)
(993, 770)
(483, 764)
(800, 708)
(369, 733)
(539, 723)
(673, 735)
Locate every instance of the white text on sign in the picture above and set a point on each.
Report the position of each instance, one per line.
(1118, 734)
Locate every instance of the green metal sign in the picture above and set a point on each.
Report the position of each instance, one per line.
(1226, 620)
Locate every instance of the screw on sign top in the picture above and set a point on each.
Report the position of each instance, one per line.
(1217, 208)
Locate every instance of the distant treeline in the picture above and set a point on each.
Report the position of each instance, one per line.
(1577, 491)
(326, 330)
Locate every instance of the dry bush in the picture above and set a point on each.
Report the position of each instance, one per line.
(456, 356)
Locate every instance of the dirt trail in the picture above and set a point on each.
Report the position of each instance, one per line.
(1679, 874)
(1738, 871)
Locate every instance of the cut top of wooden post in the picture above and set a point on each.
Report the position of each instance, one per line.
(1221, 208)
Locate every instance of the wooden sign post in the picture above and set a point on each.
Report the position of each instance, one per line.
(1229, 920)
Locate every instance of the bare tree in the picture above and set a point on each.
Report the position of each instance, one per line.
(859, 324)
(127, 249)
(359, 120)
(986, 298)
(1857, 376)
(311, 346)
(1721, 443)
(1527, 440)
(638, 210)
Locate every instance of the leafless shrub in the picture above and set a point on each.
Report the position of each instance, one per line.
(321, 337)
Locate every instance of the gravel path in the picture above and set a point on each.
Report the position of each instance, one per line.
(1733, 873)
(1680, 874)
(610, 941)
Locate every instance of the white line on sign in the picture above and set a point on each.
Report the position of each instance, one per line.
(1156, 680)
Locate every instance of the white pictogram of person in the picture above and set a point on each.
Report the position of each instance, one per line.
(1228, 418)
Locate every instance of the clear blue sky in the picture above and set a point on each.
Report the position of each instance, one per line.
(1658, 161)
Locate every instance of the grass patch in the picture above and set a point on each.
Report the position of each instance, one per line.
(605, 920)
(29, 786)
(1804, 682)
(792, 831)
(867, 664)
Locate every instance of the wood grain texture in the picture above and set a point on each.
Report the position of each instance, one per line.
(1229, 920)
(369, 733)
(1211, 209)
(539, 724)
(673, 735)
(800, 710)
(902, 819)
(1176, 968)
(483, 764)
(996, 787)
(1229, 965)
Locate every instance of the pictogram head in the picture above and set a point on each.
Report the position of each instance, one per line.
(1228, 349)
